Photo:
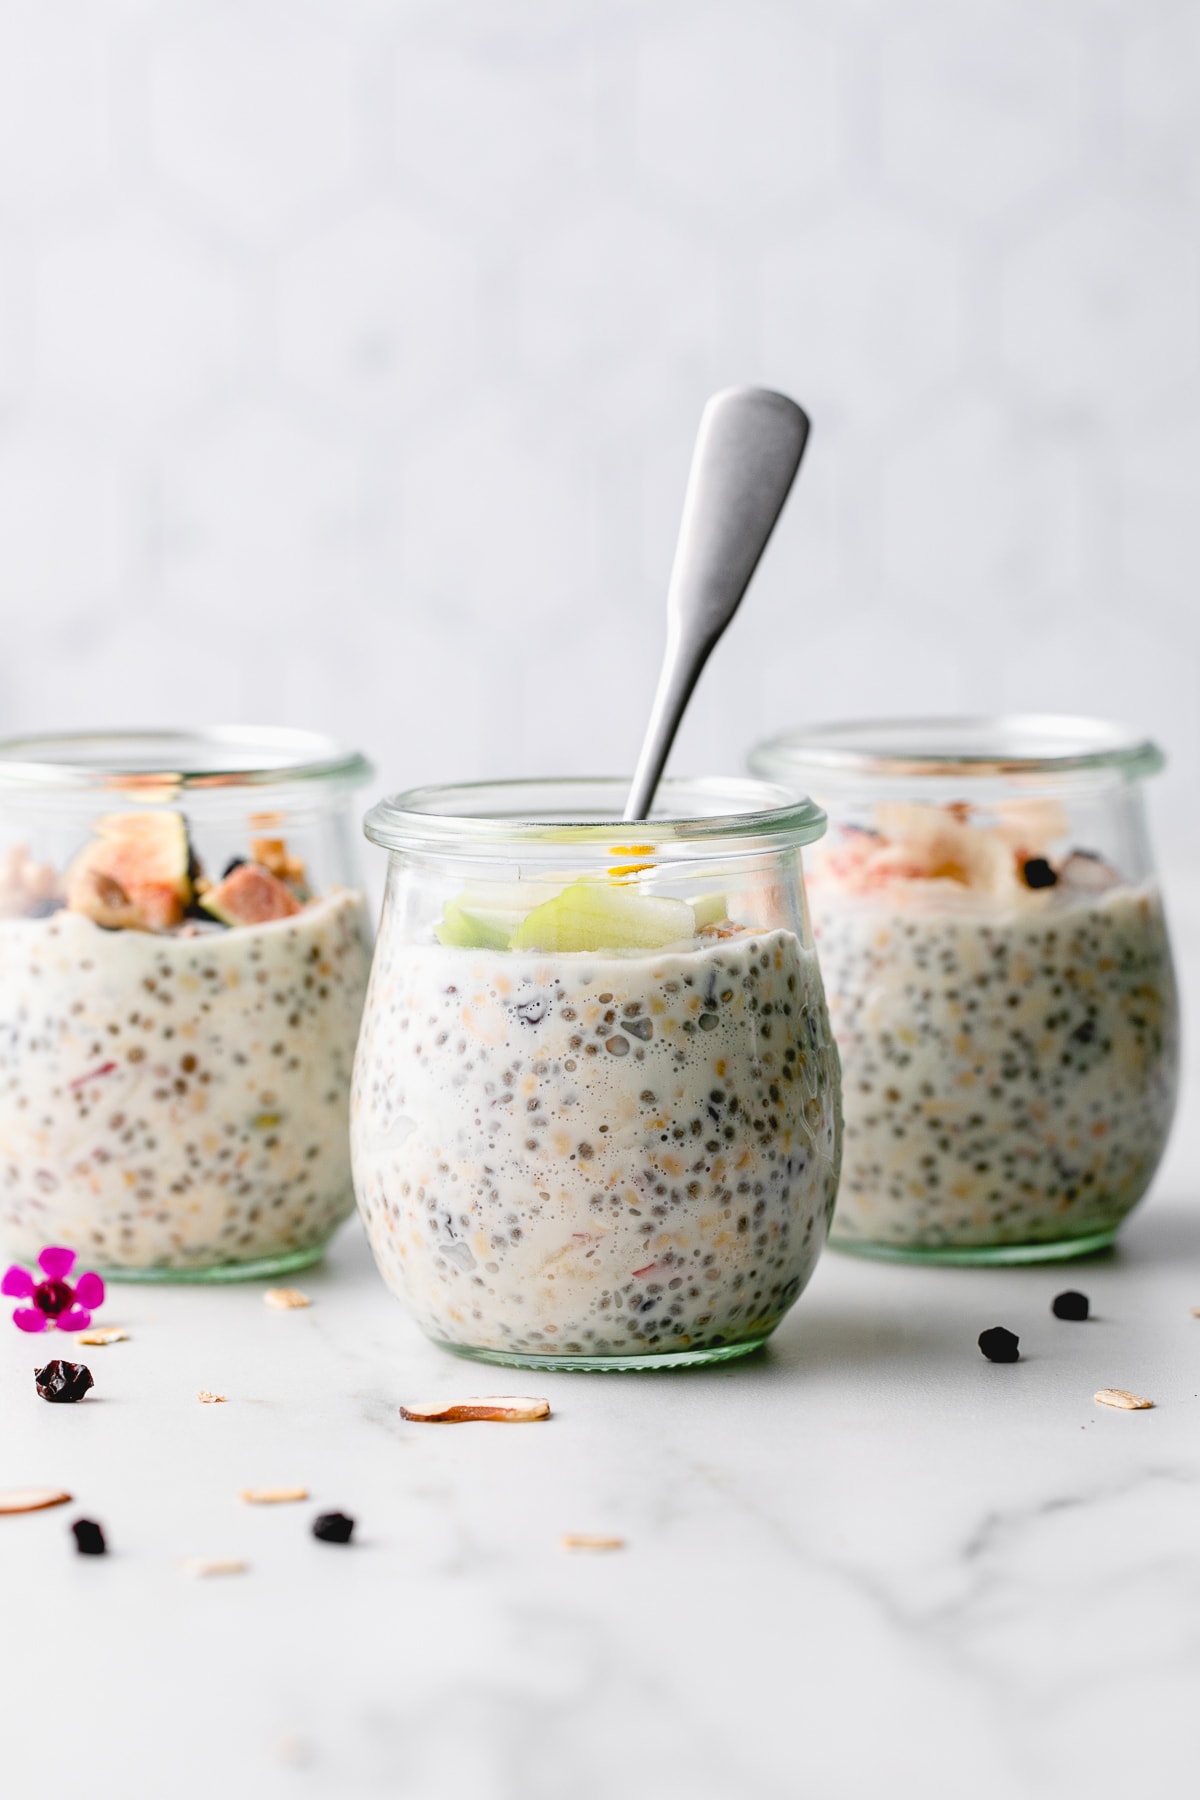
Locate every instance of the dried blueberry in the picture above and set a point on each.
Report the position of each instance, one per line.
(89, 1539)
(1070, 1305)
(333, 1528)
(63, 1381)
(999, 1345)
(1038, 873)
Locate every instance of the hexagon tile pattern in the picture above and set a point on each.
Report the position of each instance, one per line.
(351, 353)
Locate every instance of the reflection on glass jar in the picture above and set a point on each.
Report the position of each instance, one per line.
(183, 958)
(1000, 980)
(595, 1118)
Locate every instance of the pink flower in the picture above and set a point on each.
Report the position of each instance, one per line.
(55, 1301)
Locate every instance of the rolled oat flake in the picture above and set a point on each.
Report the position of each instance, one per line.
(1123, 1399)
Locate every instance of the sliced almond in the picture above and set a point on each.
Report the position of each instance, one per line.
(102, 1334)
(1123, 1398)
(285, 1299)
(214, 1565)
(590, 1540)
(1196, 1312)
(207, 1399)
(503, 1409)
(19, 1500)
(273, 1496)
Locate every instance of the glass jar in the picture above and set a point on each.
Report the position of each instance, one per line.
(595, 1120)
(1000, 980)
(184, 950)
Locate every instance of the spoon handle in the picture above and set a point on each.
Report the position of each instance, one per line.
(747, 452)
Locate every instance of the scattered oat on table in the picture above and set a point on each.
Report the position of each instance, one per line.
(23, 1500)
(207, 1399)
(590, 1540)
(214, 1565)
(273, 1496)
(285, 1299)
(502, 1409)
(1123, 1398)
(103, 1334)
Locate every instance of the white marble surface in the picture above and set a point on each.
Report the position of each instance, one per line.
(867, 1562)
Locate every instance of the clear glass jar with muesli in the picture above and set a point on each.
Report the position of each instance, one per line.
(1000, 980)
(595, 1119)
(184, 949)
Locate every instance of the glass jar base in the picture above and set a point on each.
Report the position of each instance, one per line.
(605, 1365)
(263, 1266)
(980, 1255)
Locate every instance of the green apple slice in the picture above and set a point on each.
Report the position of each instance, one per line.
(590, 915)
(475, 928)
(710, 909)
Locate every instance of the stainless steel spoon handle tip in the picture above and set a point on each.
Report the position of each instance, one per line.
(747, 452)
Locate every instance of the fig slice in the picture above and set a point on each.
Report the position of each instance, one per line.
(250, 895)
(25, 1500)
(504, 1409)
(136, 874)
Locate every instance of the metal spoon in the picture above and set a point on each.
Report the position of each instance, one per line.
(747, 452)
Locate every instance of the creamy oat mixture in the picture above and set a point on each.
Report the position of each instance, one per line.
(175, 1051)
(1008, 1025)
(171, 1101)
(597, 1153)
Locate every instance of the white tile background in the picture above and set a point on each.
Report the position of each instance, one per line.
(351, 352)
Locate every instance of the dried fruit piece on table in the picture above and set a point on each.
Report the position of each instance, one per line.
(214, 1565)
(273, 1496)
(590, 1540)
(89, 1539)
(1000, 1345)
(1071, 1305)
(333, 1528)
(285, 1299)
(55, 1300)
(209, 1399)
(104, 1334)
(1123, 1398)
(504, 1409)
(25, 1500)
(63, 1382)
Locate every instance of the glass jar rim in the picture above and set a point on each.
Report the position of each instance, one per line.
(170, 759)
(996, 745)
(496, 816)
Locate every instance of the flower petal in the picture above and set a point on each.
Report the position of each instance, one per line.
(76, 1318)
(28, 1318)
(89, 1291)
(18, 1283)
(56, 1263)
